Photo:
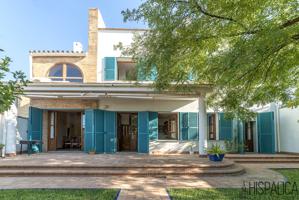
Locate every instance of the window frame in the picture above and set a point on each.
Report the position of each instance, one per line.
(177, 128)
(64, 77)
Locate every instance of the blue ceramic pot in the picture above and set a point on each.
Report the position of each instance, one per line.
(215, 158)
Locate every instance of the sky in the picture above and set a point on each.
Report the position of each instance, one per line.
(52, 25)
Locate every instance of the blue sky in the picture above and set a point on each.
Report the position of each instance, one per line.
(52, 25)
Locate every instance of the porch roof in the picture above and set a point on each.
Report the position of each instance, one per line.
(112, 89)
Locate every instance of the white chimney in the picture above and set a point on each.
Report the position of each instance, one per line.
(77, 47)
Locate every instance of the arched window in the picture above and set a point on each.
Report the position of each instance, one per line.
(66, 72)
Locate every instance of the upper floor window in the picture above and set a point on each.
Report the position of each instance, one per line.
(65, 72)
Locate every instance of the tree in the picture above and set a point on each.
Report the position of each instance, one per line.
(247, 50)
(10, 90)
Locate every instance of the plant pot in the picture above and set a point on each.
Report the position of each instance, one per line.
(92, 152)
(215, 157)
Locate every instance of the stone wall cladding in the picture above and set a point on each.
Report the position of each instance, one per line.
(64, 104)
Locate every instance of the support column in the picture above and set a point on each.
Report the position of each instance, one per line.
(202, 127)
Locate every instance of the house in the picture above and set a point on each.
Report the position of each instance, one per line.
(92, 101)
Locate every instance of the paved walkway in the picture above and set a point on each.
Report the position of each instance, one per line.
(137, 187)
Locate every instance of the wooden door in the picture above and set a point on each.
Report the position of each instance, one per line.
(127, 131)
(248, 137)
(52, 130)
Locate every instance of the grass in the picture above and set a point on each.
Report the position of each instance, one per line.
(292, 176)
(59, 194)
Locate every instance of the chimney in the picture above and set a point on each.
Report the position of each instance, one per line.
(77, 47)
(93, 31)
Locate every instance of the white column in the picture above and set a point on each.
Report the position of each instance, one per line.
(202, 127)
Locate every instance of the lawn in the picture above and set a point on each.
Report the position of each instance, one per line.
(59, 194)
(225, 194)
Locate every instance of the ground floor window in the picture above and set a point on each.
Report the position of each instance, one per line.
(168, 126)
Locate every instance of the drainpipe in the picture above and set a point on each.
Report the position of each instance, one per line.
(202, 127)
(278, 127)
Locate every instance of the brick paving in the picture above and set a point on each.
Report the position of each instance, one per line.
(135, 187)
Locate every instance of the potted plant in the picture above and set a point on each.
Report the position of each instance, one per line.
(1, 148)
(216, 153)
(92, 151)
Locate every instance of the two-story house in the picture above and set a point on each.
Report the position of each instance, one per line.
(94, 101)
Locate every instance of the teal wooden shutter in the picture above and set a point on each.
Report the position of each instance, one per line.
(110, 68)
(183, 125)
(143, 132)
(153, 75)
(188, 125)
(192, 126)
(110, 132)
(153, 125)
(266, 137)
(241, 132)
(225, 128)
(35, 125)
(99, 131)
(140, 72)
(89, 131)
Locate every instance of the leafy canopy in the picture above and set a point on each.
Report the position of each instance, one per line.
(248, 50)
(12, 89)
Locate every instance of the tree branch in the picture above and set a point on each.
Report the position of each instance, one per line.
(290, 22)
(200, 9)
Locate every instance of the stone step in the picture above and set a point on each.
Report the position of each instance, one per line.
(246, 160)
(209, 165)
(263, 157)
(232, 170)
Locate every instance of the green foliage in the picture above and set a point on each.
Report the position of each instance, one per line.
(292, 175)
(1, 146)
(59, 194)
(216, 150)
(12, 89)
(247, 50)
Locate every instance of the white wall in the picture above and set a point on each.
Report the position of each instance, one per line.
(176, 146)
(107, 39)
(289, 130)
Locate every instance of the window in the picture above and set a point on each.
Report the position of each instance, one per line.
(168, 126)
(66, 72)
(126, 71)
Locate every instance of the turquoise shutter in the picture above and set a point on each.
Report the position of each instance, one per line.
(143, 132)
(225, 128)
(110, 68)
(153, 125)
(153, 75)
(188, 126)
(110, 132)
(35, 125)
(266, 137)
(89, 131)
(140, 73)
(183, 125)
(193, 126)
(241, 132)
(99, 131)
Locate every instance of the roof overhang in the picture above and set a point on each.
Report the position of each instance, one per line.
(109, 90)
